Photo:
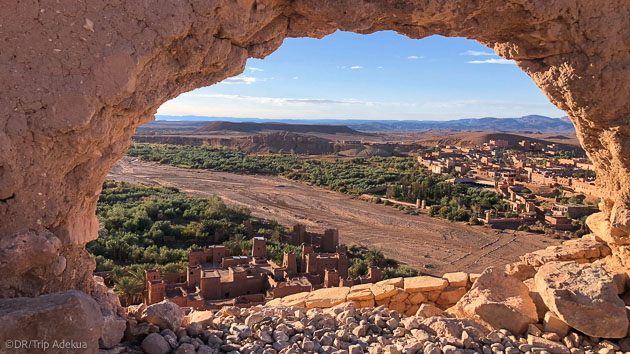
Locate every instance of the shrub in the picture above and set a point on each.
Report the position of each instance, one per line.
(434, 210)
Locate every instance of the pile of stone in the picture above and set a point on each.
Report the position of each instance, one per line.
(340, 329)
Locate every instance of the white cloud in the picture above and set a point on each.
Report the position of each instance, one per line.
(356, 67)
(492, 61)
(500, 105)
(295, 77)
(255, 69)
(415, 57)
(476, 53)
(285, 100)
(246, 80)
(379, 67)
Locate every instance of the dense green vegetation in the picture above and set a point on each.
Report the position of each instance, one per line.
(454, 202)
(407, 179)
(361, 259)
(155, 226)
(343, 175)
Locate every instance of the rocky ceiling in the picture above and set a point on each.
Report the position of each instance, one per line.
(77, 77)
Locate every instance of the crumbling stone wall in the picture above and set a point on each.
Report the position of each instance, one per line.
(77, 77)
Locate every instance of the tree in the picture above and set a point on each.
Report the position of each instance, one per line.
(375, 258)
(236, 245)
(129, 289)
(359, 268)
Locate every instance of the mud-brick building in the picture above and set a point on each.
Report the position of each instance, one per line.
(325, 243)
(212, 277)
(212, 255)
(375, 274)
(317, 263)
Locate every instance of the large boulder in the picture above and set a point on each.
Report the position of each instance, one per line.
(165, 315)
(154, 343)
(499, 301)
(113, 329)
(68, 322)
(584, 296)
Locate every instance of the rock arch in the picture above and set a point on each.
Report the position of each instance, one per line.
(77, 77)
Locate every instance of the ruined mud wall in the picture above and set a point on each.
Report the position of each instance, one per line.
(76, 78)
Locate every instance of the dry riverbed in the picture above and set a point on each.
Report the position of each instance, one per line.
(431, 245)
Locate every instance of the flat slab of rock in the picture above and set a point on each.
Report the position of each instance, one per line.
(327, 297)
(358, 294)
(383, 291)
(397, 282)
(71, 319)
(298, 300)
(584, 296)
(499, 301)
(457, 279)
(424, 284)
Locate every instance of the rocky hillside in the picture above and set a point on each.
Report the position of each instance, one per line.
(249, 127)
(472, 139)
(261, 143)
(280, 141)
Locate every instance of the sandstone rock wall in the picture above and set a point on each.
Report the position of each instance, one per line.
(77, 77)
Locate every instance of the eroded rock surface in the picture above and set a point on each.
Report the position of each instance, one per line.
(498, 300)
(77, 78)
(584, 296)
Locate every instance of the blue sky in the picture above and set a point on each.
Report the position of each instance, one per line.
(379, 76)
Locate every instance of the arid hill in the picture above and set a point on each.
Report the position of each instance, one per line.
(470, 139)
(259, 143)
(247, 127)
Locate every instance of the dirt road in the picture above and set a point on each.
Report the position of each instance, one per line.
(428, 244)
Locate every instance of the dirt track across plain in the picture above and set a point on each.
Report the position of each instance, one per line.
(431, 245)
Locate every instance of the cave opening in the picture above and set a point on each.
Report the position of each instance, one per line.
(344, 76)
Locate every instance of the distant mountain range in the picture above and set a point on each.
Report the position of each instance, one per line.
(530, 123)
